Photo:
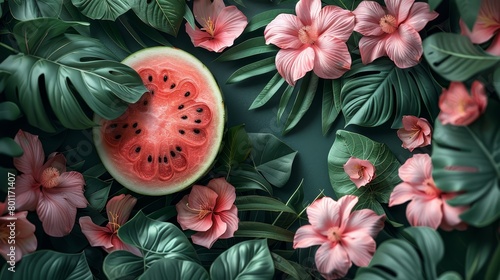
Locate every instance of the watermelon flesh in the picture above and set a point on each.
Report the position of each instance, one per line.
(171, 136)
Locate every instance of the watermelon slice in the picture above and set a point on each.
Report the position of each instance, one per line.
(171, 136)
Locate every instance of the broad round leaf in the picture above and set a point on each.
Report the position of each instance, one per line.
(123, 265)
(348, 144)
(466, 159)
(31, 9)
(102, 9)
(10, 147)
(49, 265)
(172, 269)
(164, 15)
(9, 111)
(373, 93)
(237, 147)
(246, 260)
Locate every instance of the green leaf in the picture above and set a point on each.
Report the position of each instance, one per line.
(9, 111)
(493, 267)
(466, 160)
(102, 9)
(252, 69)
(478, 253)
(263, 230)
(237, 147)
(496, 80)
(434, 4)
(164, 15)
(250, 47)
(431, 248)
(285, 97)
(245, 260)
(302, 102)
(331, 104)
(31, 9)
(188, 16)
(469, 9)
(454, 57)
(156, 240)
(272, 158)
(95, 171)
(348, 144)
(261, 203)
(10, 148)
(96, 192)
(172, 269)
(123, 265)
(450, 275)
(49, 265)
(373, 93)
(264, 18)
(245, 177)
(295, 270)
(268, 92)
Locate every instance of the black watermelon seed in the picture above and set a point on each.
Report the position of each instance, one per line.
(150, 158)
(165, 78)
(180, 107)
(125, 125)
(118, 136)
(172, 153)
(182, 131)
(134, 125)
(159, 159)
(199, 110)
(152, 92)
(197, 121)
(138, 131)
(150, 78)
(179, 149)
(172, 86)
(165, 160)
(145, 102)
(114, 125)
(184, 117)
(196, 131)
(138, 149)
(187, 94)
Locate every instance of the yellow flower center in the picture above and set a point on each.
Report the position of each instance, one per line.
(50, 177)
(388, 24)
(308, 35)
(334, 234)
(114, 222)
(202, 212)
(209, 26)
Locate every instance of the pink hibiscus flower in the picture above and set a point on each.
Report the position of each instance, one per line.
(458, 107)
(416, 132)
(361, 172)
(345, 237)
(23, 234)
(221, 25)
(486, 26)
(392, 31)
(428, 206)
(312, 40)
(210, 211)
(118, 209)
(47, 187)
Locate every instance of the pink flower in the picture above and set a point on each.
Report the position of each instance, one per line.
(458, 107)
(416, 132)
(428, 206)
(486, 26)
(312, 40)
(22, 233)
(345, 237)
(221, 25)
(47, 187)
(392, 31)
(361, 172)
(209, 210)
(118, 209)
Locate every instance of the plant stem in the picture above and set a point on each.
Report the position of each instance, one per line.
(11, 49)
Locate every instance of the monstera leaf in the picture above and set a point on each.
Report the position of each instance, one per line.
(164, 15)
(102, 9)
(466, 159)
(31, 9)
(372, 94)
(68, 74)
(348, 144)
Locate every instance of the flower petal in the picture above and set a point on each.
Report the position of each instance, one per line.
(307, 236)
(32, 159)
(451, 215)
(56, 213)
(118, 244)
(479, 95)
(229, 25)
(458, 107)
(204, 10)
(283, 31)
(368, 15)
(332, 262)
(360, 171)
(332, 58)
(56, 160)
(120, 206)
(425, 212)
(323, 214)
(27, 192)
(416, 169)
(202, 197)
(71, 187)
(399, 8)
(487, 22)
(294, 64)
(307, 11)
(359, 246)
(202, 39)
(208, 238)
(404, 46)
(420, 14)
(189, 218)
(365, 221)
(402, 193)
(96, 235)
(226, 194)
(230, 217)
(335, 22)
(494, 48)
(347, 202)
(26, 241)
(372, 47)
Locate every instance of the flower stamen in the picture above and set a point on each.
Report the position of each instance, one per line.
(388, 24)
(114, 222)
(307, 35)
(50, 177)
(209, 26)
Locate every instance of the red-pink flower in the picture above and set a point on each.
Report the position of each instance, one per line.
(210, 211)
(416, 132)
(360, 171)
(458, 107)
(345, 237)
(16, 232)
(312, 40)
(118, 209)
(428, 206)
(47, 187)
(392, 31)
(487, 26)
(221, 25)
